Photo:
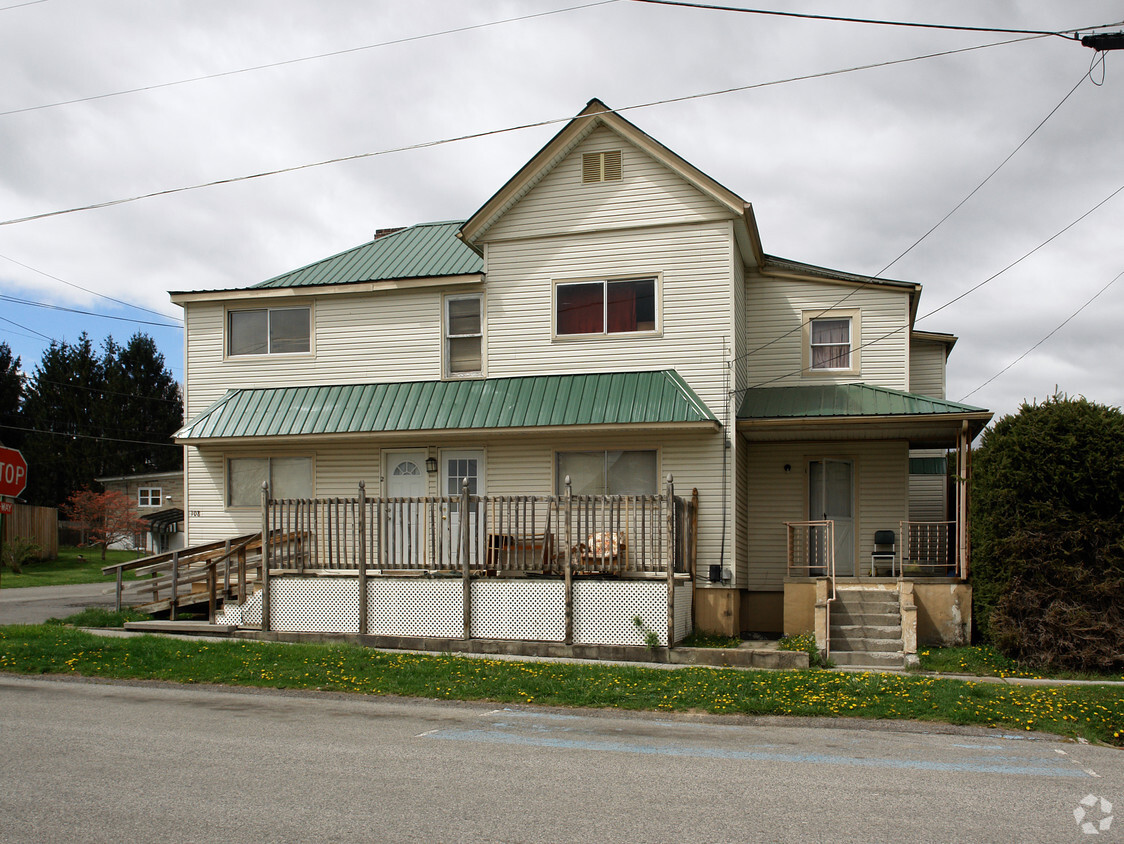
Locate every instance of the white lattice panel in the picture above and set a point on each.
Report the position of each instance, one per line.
(514, 609)
(251, 610)
(683, 619)
(415, 608)
(230, 614)
(314, 605)
(603, 611)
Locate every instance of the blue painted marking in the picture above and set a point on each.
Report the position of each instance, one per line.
(994, 765)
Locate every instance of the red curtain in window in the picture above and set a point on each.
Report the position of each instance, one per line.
(622, 307)
(581, 308)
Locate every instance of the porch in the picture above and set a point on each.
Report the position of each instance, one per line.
(569, 569)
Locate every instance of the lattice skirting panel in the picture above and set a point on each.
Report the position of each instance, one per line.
(414, 607)
(514, 609)
(604, 611)
(525, 610)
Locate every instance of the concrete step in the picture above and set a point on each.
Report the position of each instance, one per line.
(845, 615)
(866, 646)
(867, 600)
(867, 660)
(889, 632)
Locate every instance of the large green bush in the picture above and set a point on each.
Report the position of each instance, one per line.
(1048, 534)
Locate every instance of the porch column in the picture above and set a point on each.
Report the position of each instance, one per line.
(670, 561)
(265, 556)
(466, 576)
(362, 551)
(567, 556)
(963, 469)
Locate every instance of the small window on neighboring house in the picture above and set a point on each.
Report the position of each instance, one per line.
(464, 335)
(269, 331)
(288, 477)
(829, 342)
(601, 166)
(606, 307)
(149, 496)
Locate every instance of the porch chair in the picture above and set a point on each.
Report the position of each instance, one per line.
(884, 554)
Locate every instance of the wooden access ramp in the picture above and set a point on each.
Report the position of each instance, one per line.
(207, 574)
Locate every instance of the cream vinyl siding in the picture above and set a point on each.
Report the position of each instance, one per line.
(694, 272)
(385, 336)
(648, 193)
(927, 497)
(881, 476)
(775, 308)
(927, 368)
(514, 465)
(741, 511)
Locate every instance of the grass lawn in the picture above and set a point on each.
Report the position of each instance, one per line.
(985, 661)
(1093, 712)
(73, 565)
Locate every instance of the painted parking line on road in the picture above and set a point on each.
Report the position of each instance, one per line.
(552, 731)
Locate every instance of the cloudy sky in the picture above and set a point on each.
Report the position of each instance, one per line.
(845, 170)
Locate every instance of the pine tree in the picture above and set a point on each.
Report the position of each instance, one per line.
(11, 398)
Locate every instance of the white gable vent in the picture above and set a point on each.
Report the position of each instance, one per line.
(601, 166)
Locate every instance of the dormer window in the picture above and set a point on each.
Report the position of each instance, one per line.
(601, 166)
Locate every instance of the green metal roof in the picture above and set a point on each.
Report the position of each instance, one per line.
(617, 398)
(842, 400)
(421, 251)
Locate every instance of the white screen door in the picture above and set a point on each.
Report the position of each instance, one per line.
(831, 495)
(456, 468)
(405, 535)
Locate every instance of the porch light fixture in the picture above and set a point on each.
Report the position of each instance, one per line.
(431, 465)
(788, 467)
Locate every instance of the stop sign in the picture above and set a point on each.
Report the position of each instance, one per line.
(13, 473)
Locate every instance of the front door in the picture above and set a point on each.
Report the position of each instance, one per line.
(456, 468)
(405, 535)
(831, 495)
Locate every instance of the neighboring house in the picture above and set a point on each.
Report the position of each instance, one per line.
(609, 315)
(158, 497)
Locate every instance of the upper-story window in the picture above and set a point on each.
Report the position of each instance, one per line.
(618, 306)
(269, 331)
(464, 335)
(149, 496)
(829, 342)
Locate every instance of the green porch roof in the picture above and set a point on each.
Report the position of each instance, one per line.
(617, 398)
(843, 400)
(422, 251)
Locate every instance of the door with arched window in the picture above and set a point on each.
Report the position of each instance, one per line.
(405, 480)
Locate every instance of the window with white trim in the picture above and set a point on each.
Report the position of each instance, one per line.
(830, 342)
(613, 306)
(269, 331)
(606, 472)
(464, 335)
(288, 477)
(149, 496)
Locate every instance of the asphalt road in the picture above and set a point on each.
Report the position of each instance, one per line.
(35, 604)
(93, 762)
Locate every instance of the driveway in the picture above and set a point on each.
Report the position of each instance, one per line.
(35, 604)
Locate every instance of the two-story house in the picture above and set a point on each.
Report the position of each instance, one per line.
(608, 316)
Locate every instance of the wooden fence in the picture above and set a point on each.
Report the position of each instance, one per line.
(35, 524)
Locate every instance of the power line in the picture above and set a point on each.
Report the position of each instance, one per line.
(6, 298)
(507, 130)
(21, 5)
(299, 59)
(1047, 337)
(87, 290)
(88, 437)
(804, 16)
(26, 328)
(955, 299)
(103, 392)
(973, 192)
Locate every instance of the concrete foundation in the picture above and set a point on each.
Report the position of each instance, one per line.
(944, 613)
(799, 607)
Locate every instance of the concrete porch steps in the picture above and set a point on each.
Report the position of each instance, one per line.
(866, 629)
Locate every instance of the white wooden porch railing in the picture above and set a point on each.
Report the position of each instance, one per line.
(928, 549)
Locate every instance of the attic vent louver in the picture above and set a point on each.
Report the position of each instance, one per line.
(601, 166)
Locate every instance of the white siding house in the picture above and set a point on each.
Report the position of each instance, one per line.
(783, 391)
